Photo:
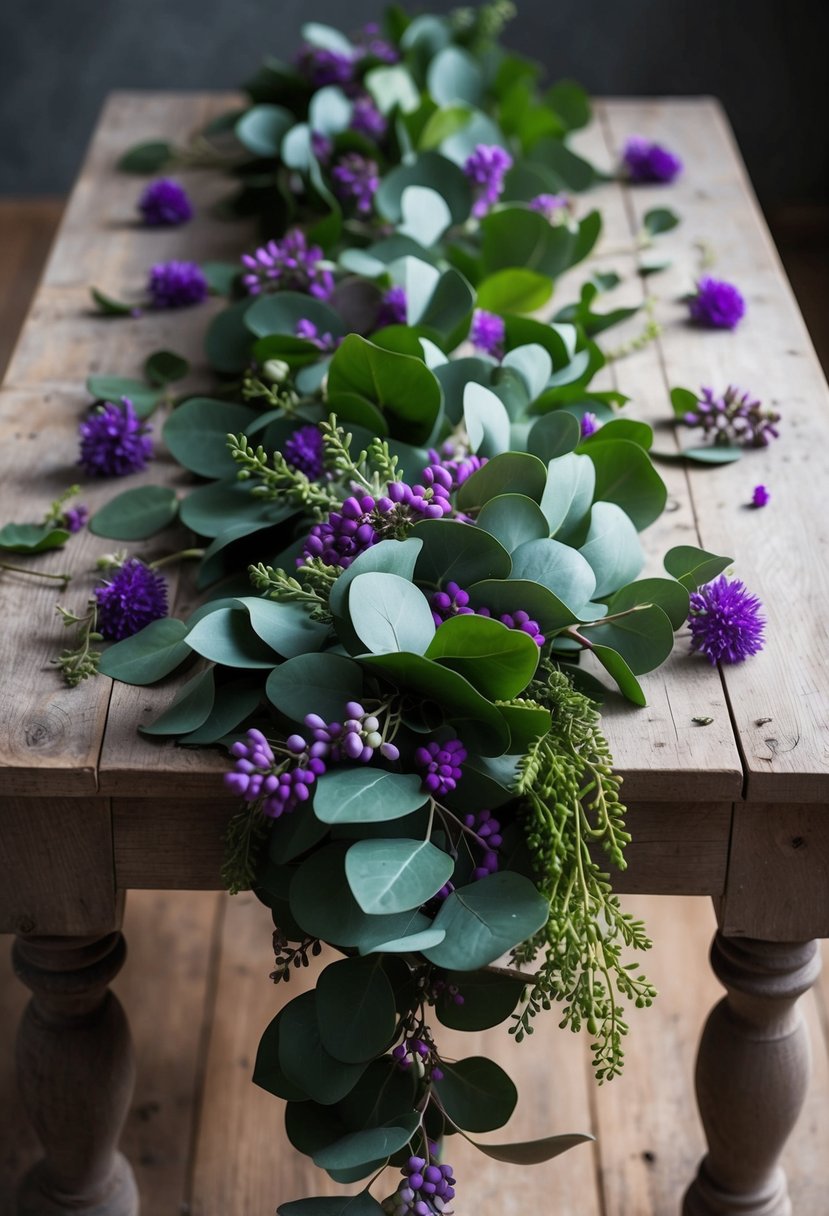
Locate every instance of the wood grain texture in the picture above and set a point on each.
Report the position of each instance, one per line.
(170, 844)
(27, 227)
(780, 700)
(57, 866)
(680, 849)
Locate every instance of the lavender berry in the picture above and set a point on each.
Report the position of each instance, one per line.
(176, 285)
(393, 307)
(114, 441)
(488, 333)
(717, 304)
(75, 518)
(288, 265)
(133, 597)
(356, 180)
(364, 520)
(441, 765)
(486, 169)
(760, 496)
(425, 1189)
(164, 203)
(303, 450)
(726, 621)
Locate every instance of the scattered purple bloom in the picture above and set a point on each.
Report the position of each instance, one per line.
(114, 441)
(367, 120)
(441, 765)
(393, 307)
(363, 521)
(725, 621)
(551, 206)
(486, 169)
(760, 496)
(75, 518)
(488, 332)
(734, 418)
(646, 161)
(323, 67)
(164, 203)
(356, 180)
(288, 265)
(589, 425)
(176, 285)
(717, 304)
(310, 333)
(303, 450)
(133, 597)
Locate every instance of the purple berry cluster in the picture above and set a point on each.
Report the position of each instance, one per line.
(439, 986)
(425, 1190)
(164, 203)
(176, 285)
(322, 67)
(646, 161)
(725, 621)
(363, 521)
(411, 1050)
(453, 600)
(375, 46)
(589, 425)
(133, 597)
(717, 304)
(488, 333)
(367, 120)
(454, 461)
(488, 830)
(553, 207)
(358, 738)
(393, 307)
(75, 518)
(308, 331)
(486, 169)
(304, 450)
(734, 418)
(441, 765)
(288, 265)
(114, 441)
(356, 179)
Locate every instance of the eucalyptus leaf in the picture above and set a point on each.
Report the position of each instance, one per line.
(373, 1144)
(659, 219)
(399, 386)
(531, 1152)
(366, 795)
(560, 569)
(304, 1059)
(32, 538)
(227, 637)
(189, 710)
(148, 655)
(164, 367)
(315, 683)
(625, 475)
(146, 157)
(484, 920)
(476, 1094)
(388, 876)
(612, 548)
(286, 628)
(667, 594)
(486, 420)
(196, 434)
(389, 614)
(135, 514)
(516, 290)
(508, 473)
(498, 661)
(355, 1011)
(344, 1205)
(513, 519)
(692, 567)
(643, 636)
(454, 552)
(113, 388)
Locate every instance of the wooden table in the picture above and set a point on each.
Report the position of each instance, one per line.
(733, 810)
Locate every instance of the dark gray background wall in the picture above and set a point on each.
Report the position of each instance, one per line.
(766, 60)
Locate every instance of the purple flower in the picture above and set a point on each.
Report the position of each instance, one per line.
(321, 146)
(176, 285)
(425, 1189)
(356, 179)
(488, 332)
(288, 265)
(646, 161)
(717, 304)
(362, 522)
(551, 206)
(131, 599)
(488, 831)
(324, 67)
(75, 518)
(760, 496)
(441, 765)
(392, 308)
(164, 203)
(367, 119)
(725, 621)
(486, 168)
(310, 333)
(375, 46)
(734, 418)
(114, 441)
(589, 425)
(303, 450)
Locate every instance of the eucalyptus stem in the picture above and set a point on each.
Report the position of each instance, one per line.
(61, 578)
(182, 555)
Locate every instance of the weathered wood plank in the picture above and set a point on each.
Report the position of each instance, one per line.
(170, 843)
(27, 226)
(780, 700)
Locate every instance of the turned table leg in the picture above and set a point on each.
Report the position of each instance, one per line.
(76, 1072)
(752, 1072)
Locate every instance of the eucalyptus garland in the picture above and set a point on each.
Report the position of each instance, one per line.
(416, 516)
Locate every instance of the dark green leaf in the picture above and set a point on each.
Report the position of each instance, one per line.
(196, 434)
(286, 628)
(659, 219)
(488, 999)
(164, 366)
(221, 276)
(113, 388)
(399, 386)
(516, 291)
(344, 1205)
(315, 683)
(553, 435)
(498, 661)
(625, 475)
(32, 538)
(669, 595)
(360, 1148)
(683, 401)
(148, 655)
(454, 552)
(146, 157)
(531, 1152)
(644, 637)
(267, 1071)
(427, 169)
(508, 473)
(509, 595)
(355, 1012)
(616, 666)
(109, 306)
(692, 567)
(484, 920)
(237, 699)
(136, 514)
(225, 636)
(304, 1059)
(476, 1094)
(280, 312)
(228, 341)
(215, 509)
(189, 710)
(570, 102)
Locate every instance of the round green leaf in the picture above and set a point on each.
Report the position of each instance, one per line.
(389, 614)
(262, 127)
(113, 388)
(189, 710)
(454, 552)
(667, 594)
(165, 366)
(286, 628)
(267, 1071)
(226, 636)
(516, 290)
(488, 1000)
(401, 387)
(356, 1013)
(453, 76)
(557, 567)
(498, 661)
(486, 420)
(215, 509)
(553, 435)
(304, 1058)
(433, 171)
(568, 493)
(484, 920)
(136, 514)
(513, 519)
(508, 595)
(360, 1148)
(625, 475)
(228, 339)
(148, 655)
(366, 795)
(146, 157)
(388, 876)
(32, 538)
(315, 684)
(692, 567)
(237, 700)
(612, 548)
(387, 557)
(644, 637)
(476, 1094)
(196, 434)
(280, 312)
(508, 473)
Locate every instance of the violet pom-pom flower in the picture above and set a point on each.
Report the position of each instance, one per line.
(356, 179)
(176, 285)
(441, 765)
(393, 307)
(164, 203)
(75, 518)
(488, 332)
(114, 441)
(760, 496)
(133, 597)
(646, 161)
(323, 67)
(288, 265)
(717, 304)
(303, 450)
(486, 169)
(725, 621)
